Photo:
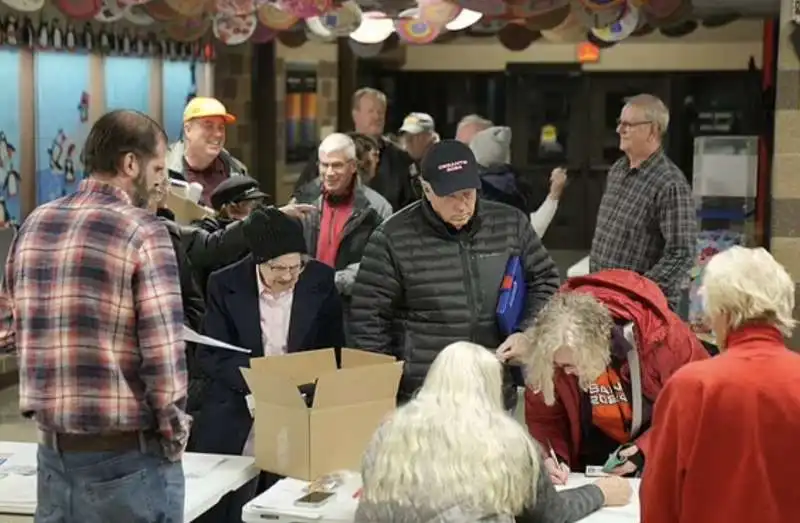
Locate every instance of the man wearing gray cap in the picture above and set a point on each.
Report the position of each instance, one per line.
(431, 274)
(418, 133)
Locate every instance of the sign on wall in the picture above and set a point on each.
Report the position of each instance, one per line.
(61, 122)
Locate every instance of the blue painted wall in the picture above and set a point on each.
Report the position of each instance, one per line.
(10, 140)
(177, 78)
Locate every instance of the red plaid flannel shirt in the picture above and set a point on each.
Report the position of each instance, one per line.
(93, 307)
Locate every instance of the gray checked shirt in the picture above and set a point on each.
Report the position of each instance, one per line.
(647, 224)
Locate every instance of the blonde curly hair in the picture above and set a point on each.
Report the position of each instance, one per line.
(570, 319)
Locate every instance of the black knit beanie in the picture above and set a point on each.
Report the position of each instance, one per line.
(270, 233)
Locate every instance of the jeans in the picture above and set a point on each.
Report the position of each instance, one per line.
(108, 487)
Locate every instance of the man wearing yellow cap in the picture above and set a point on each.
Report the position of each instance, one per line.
(201, 156)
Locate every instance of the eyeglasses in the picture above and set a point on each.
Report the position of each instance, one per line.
(629, 125)
(293, 270)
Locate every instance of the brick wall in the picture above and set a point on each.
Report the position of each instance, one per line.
(232, 86)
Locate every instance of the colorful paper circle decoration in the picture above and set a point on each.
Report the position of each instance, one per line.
(415, 31)
(80, 9)
(275, 18)
(343, 20)
(621, 29)
(263, 34)
(235, 7)
(160, 11)
(234, 29)
(375, 28)
(305, 8)
(25, 6)
(437, 12)
(112, 11)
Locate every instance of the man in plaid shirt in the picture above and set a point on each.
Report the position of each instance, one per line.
(646, 222)
(95, 313)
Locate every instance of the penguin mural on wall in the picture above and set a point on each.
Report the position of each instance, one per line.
(10, 179)
(69, 164)
(56, 151)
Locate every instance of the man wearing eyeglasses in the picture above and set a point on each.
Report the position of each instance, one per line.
(646, 222)
(275, 301)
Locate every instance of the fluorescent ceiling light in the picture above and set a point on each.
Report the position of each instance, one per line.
(465, 18)
(375, 27)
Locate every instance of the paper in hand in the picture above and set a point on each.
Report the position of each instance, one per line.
(191, 336)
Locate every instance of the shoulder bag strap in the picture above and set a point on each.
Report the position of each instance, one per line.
(636, 380)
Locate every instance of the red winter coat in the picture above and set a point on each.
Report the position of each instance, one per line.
(665, 343)
(731, 456)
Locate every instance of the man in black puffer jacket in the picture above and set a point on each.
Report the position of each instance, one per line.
(431, 274)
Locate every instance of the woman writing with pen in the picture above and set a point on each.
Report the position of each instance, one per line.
(597, 358)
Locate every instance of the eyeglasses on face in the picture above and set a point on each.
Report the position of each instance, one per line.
(287, 269)
(623, 125)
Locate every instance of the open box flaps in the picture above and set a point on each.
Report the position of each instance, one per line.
(294, 440)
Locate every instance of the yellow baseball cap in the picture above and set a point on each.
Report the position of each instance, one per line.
(202, 107)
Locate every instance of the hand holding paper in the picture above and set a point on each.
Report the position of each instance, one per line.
(191, 336)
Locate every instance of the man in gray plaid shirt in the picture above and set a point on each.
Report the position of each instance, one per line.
(646, 222)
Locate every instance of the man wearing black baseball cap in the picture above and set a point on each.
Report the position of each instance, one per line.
(431, 273)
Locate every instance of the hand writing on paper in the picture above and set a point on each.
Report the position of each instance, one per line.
(559, 472)
(628, 467)
(617, 492)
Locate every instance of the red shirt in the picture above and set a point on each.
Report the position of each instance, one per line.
(209, 178)
(334, 218)
(724, 438)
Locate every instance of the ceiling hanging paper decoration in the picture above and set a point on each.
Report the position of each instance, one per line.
(592, 14)
(234, 29)
(678, 30)
(188, 8)
(487, 7)
(275, 18)
(437, 12)
(415, 31)
(188, 29)
(621, 29)
(570, 30)
(83, 10)
(293, 39)
(719, 20)
(137, 15)
(600, 44)
(160, 11)
(235, 7)
(375, 28)
(263, 34)
(126, 3)
(465, 18)
(112, 11)
(25, 6)
(531, 8)
(343, 20)
(365, 50)
(487, 27)
(316, 31)
(305, 8)
(660, 14)
(548, 20)
(516, 37)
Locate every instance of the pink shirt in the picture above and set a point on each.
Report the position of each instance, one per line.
(276, 314)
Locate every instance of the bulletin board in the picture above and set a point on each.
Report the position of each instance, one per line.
(61, 122)
(10, 139)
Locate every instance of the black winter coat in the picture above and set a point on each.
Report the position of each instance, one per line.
(422, 285)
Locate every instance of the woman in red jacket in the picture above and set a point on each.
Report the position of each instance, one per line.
(580, 398)
(732, 456)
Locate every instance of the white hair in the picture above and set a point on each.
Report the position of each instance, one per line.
(454, 443)
(748, 285)
(655, 111)
(574, 320)
(368, 92)
(338, 143)
(474, 119)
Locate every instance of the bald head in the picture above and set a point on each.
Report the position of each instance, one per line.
(469, 126)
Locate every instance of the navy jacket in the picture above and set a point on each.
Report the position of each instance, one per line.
(232, 316)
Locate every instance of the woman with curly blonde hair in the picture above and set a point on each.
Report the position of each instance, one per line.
(453, 454)
(597, 356)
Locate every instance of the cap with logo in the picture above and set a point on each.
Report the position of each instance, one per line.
(204, 107)
(416, 123)
(450, 166)
(235, 189)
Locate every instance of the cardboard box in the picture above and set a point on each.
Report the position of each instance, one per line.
(294, 440)
(186, 211)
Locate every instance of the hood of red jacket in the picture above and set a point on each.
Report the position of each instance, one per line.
(629, 297)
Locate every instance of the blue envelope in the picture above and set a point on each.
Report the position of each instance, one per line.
(511, 301)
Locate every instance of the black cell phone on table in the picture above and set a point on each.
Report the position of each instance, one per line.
(314, 499)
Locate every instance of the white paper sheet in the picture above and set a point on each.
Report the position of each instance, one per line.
(193, 337)
(200, 465)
